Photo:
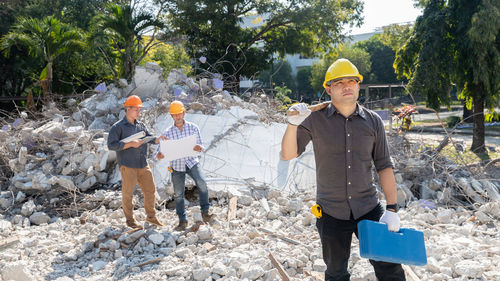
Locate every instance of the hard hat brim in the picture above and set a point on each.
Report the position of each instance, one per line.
(177, 112)
(357, 78)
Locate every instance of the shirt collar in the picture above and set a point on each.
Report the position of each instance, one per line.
(359, 111)
(125, 121)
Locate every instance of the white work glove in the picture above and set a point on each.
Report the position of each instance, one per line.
(303, 113)
(391, 219)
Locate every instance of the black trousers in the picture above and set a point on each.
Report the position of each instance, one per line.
(336, 237)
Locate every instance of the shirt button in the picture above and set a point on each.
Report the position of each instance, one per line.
(349, 183)
(348, 167)
(348, 150)
(348, 135)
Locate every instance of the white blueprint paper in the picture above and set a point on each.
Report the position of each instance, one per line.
(180, 148)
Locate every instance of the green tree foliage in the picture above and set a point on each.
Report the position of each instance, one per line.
(283, 95)
(395, 35)
(169, 57)
(381, 58)
(214, 29)
(426, 57)
(359, 57)
(78, 13)
(19, 70)
(305, 91)
(47, 39)
(119, 35)
(457, 42)
(280, 74)
(13, 71)
(420, 3)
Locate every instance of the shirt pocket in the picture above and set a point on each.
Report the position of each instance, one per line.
(362, 146)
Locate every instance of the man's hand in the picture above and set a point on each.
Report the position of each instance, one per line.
(198, 148)
(303, 111)
(160, 156)
(392, 220)
(162, 137)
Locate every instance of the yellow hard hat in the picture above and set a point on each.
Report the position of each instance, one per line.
(133, 100)
(341, 68)
(177, 107)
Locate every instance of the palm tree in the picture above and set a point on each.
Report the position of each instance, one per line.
(47, 39)
(124, 28)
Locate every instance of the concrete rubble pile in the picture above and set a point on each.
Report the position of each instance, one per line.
(68, 151)
(97, 246)
(420, 175)
(61, 215)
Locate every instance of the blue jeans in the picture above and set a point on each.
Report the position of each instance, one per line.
(179, 182)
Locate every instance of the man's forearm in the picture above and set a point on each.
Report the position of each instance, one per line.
(127, 145)
(388, 183)
(289, 143)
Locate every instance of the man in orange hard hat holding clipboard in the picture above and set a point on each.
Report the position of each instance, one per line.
(131, 157)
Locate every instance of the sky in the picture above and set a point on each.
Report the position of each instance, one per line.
(378, 13)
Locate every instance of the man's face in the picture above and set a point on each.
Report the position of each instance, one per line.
(344, 91)
(178, 118)
(133, 112)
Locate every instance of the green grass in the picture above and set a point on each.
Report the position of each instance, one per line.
(424, 122)
(465, 158)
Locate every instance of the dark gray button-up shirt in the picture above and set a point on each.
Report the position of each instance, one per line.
(130, 157)
(344, 149)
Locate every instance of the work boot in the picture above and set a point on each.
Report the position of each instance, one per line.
(133, 224)
(182, 226)
(154, 221)
(207, 217)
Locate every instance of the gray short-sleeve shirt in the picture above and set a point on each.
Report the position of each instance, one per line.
(344, 149)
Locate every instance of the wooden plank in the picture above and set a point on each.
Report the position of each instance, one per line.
(277, 265)
(284, 238)
(209, 247)
(115, 237)
(312, 108)
(9, 242)
(318, 276)
(193, 228)
(231, 213)
(150, 262)
(410, 273)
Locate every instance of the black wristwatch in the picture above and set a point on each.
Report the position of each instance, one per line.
(392, 207)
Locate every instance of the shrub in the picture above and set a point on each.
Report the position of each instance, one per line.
(452, 121)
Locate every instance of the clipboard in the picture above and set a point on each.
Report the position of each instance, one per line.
(376, 242)
(148, 139)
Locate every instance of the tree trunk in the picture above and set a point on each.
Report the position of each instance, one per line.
(45, 89)
(128, 65)
(30, 102)
(478, 131)
(47, 84)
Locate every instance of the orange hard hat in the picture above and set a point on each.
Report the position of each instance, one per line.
(177, 107)
(133, 100)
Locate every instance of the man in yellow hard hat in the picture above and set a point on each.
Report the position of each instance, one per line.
(346, 138)
(188, 165)
(131, 158)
